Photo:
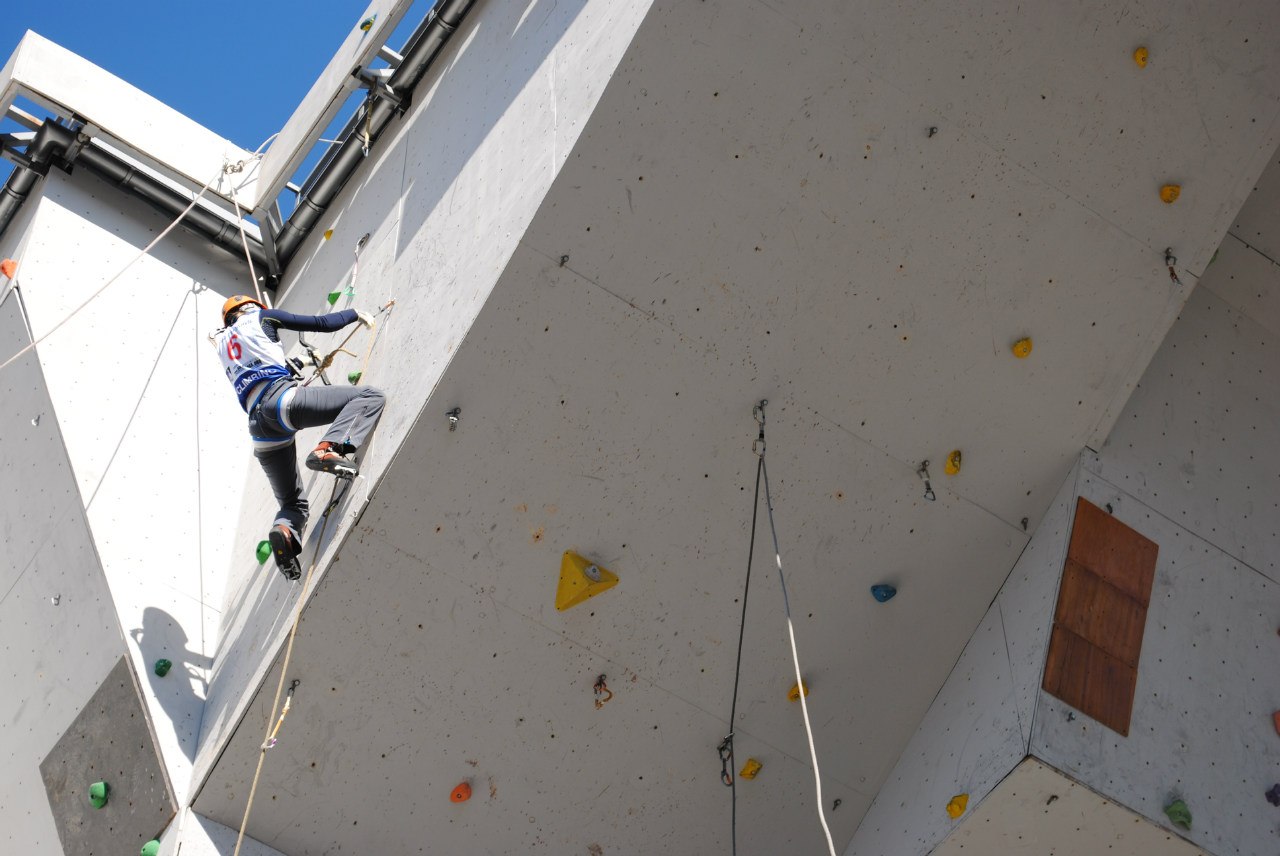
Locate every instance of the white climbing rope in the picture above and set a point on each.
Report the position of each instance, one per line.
(144, 251)
(726, 748)
(795, 658)
(244, 242)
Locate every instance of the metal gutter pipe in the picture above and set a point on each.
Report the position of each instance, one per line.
(53, 140)
(40, 153)
(434, 33)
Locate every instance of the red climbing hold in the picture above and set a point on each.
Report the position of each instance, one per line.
(461, 793)
(8, 267)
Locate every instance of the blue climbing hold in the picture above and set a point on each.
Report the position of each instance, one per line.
(1273, 795)
(883, 592)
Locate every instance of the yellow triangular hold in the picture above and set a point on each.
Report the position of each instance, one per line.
(580, 579)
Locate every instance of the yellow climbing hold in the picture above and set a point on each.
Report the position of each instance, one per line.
(750, 769)
(953, 463)
(580, 579)
(1140, 57)
(958, 804)
(328, 233)
(794, 693)
(1022, 348)
(1169, 193)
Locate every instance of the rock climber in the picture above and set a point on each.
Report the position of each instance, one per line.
(254, 360)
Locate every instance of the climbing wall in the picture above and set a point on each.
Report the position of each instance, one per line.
(59, 634)
(979, 726)
(1190, 465)
(1037, 810)
(1186, 466)
(104, 778)
(791, 201)
(1201, 729)
(1197, 440)
(444, 199)
(195, 835)
(155, 440)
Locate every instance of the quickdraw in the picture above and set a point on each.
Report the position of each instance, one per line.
(601, 688)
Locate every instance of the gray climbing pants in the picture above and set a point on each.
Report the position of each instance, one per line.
(353, 411)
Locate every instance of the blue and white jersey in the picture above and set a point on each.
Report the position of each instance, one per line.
(249, 356)
(250, 348)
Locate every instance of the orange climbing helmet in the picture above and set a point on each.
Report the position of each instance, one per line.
(234, 302)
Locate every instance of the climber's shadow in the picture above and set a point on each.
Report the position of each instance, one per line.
(180, 693)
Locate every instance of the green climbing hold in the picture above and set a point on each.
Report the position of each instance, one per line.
(151, 848)
(353, 378)
(1179, 814)
(333, 297)
(264, 551)
(98, 794)
(163, 666)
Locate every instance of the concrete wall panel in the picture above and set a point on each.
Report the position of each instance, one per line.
(798, 220)
(1070, 66)
(59, 634)
(1201, 728)
(1036, 809)
(111, 742)
(1258, 223)
(150, 426)
(387, 738)
(1248, 281)
(192, 834)
(447, 197)
(979, 726)
(1197, 440)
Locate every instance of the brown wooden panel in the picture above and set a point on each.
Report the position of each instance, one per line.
(1090, 680)
(1100, 618)
(1108, 692)
(1113, 551)
(1097, 611)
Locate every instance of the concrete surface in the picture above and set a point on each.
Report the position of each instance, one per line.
(154, 436)
(727, 229)
(109, 741)
(1037, 810)
(610, 229)
(979, 726)
(445, 200)
(58, 626)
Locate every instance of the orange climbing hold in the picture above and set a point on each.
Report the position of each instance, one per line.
(1169, 193)
(1140, 56)
(461, 793)
(8, 267)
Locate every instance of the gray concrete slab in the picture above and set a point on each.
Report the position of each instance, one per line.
(110, 741)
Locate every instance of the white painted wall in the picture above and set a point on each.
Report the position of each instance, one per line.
(53, 655)
(1190, 465)
(444, 198)
(155, 439)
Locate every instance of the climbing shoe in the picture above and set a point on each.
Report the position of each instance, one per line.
(285, 548)
(326, 458)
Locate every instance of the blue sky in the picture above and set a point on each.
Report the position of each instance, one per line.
(235, 66)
